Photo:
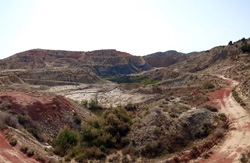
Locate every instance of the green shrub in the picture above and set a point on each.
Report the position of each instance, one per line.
(81, 157)
(93, 103)
(107, 131)
(13, 141)
(245, 48)
(66, 138)
(30, 153)
(84, 103)
(208, 85)
(223, 117)
(102, 148)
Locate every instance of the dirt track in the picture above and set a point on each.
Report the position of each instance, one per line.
(237, 139)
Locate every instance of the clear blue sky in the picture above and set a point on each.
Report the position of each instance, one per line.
(138, 27)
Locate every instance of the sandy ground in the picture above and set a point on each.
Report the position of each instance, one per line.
(9, 154)
(237, 139)
(107, 94)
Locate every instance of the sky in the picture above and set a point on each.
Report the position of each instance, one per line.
(139, 27)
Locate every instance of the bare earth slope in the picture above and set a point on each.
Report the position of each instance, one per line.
(237, 139)
(102, 62)
(9, 154)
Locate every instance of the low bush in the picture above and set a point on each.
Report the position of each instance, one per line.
(30, 153)
(208, 85)
(245, 48)
(237, 98)
(8, 119)
(210, 107)
(223, 117)
(40, 158)
(13, 141)
(151, 149)
(23, 149)
(77, 119)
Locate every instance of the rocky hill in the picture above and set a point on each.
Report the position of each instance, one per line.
(164, 59)
(222, 56)
(102, 62)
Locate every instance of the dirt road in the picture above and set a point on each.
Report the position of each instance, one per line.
(238, 138)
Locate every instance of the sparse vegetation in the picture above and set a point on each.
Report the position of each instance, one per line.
(66, 139)
(31, 127)
(245, 157)
(96, 137)
(172, 115)
(77, 119)
(13, 141)
(210, 107)
(208, 85)
(24, 149)
(245, 48)
(237, 98)
(197, 99)
(40, 158)
(8, 119)
(223, 117)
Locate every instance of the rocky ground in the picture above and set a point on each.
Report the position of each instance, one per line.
(109, 94)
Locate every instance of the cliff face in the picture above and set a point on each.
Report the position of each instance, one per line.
(102, 62)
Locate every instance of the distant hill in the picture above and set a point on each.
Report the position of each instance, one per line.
(170, 53)
(102, 62)
(164, 59)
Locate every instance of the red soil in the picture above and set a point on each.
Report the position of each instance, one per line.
(23, 98)
(9, 154)
(51, 112)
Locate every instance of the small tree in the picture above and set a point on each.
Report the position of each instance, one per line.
(230, 43)
(66, 138)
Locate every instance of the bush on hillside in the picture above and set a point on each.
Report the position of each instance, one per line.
(208, 85)
(8, 119)
(245, 48)
(31, 126)
(66, 139)
(107, 131)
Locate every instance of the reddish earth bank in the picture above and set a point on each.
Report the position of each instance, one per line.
(51, 112)
(9, 154)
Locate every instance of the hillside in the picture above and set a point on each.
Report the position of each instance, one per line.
(111, 106)
(102, 62)
(164, 59)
